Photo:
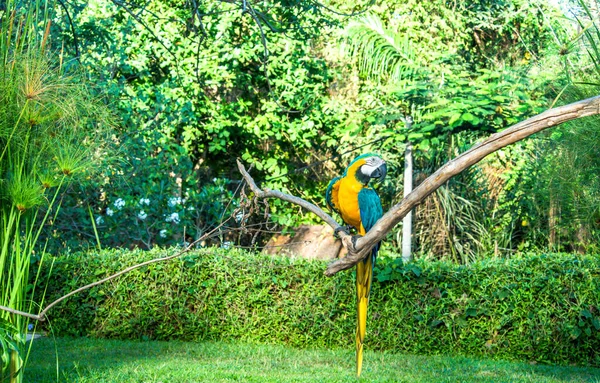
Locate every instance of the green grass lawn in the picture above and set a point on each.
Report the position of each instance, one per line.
(92, 360)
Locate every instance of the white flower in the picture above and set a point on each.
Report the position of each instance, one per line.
(163, 233)
(173, 201)
(142, 215)
(226, 245)
(100, 220)
(109, 211)
(144, 201)
(174, 217)
(119, 203)
(239, 216)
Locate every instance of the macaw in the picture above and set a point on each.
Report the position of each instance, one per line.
(359, 206)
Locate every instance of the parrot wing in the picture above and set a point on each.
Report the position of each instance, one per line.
(370, 208)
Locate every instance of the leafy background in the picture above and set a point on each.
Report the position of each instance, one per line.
(193, 91)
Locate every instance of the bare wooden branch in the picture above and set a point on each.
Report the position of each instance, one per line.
(358, 249)
(21, 313)
(267, 193)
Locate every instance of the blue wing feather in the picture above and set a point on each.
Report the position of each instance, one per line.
(370, 207)
(370, 212)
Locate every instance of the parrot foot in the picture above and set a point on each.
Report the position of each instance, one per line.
(346, 229)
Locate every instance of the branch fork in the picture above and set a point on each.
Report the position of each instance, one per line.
(357, 246)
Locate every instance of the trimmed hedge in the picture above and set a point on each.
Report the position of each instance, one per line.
(542, 308)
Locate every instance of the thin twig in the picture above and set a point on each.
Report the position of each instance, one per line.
(73, 31)
(42, 315)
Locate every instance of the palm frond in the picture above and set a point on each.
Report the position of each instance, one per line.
(381, 53)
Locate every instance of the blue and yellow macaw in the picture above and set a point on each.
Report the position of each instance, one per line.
(359, 206)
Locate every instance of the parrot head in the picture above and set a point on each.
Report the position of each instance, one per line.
(370, 166)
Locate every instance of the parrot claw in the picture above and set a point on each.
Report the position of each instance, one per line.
(354, 239)
(345, 229)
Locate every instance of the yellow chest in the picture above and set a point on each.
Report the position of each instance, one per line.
(348, 201)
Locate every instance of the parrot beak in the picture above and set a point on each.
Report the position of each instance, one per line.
(374, 168)
(380, 172)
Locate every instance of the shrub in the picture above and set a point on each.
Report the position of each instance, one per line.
(540, 308)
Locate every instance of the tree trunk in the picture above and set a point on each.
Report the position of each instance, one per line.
(582, 237)
(583, 232)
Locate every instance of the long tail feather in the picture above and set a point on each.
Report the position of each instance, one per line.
(364, 276)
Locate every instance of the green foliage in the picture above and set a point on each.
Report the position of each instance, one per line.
(486, 102)
(561, 187)
(534, 303)
(542, 308)
(189, 105)
(443, 92)
(154, 199)
(565, 191)
(513, 32)
(200, 90)
(219, 105)
(450, 227)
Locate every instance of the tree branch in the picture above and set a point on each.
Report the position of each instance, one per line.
(267, 193)
(359, 249)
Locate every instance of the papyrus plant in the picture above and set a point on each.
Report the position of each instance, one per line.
(50, 134)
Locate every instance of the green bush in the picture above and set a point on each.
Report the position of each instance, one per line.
(539, 308)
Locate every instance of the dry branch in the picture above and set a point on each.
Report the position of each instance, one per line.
(358, 250)
(267, 193)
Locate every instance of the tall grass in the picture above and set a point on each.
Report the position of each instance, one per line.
(50, 133)
(448, 226)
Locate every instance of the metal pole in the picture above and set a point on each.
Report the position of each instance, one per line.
(408, 186)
